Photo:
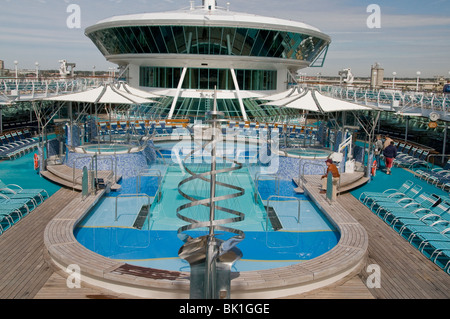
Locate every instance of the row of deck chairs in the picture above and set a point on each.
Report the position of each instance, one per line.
(411, 156)
(250, 129)
(16, 144)
(438, 176)
(17, 202)
(421, 218)
(139, 128)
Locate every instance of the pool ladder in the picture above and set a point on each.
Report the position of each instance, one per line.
(210, 258)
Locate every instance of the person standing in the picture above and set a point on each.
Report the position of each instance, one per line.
(390, 153)
(378, 148)
(387, 141)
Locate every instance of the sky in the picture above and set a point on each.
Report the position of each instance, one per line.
(402, 36)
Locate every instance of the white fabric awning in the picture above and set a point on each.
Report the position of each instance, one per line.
(105, 94)
(292, 92)
(131, 90)
(312, 100)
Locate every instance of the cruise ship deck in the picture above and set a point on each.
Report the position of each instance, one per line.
(206, 171)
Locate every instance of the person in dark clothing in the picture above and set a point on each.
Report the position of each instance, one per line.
(390, 153)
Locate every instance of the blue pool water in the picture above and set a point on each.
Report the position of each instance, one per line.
(156, 245)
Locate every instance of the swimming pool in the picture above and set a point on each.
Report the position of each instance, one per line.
(154, 243)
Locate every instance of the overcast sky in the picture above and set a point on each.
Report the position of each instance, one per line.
(412, 36)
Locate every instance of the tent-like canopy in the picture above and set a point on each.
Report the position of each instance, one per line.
(313, 100)
(292, 92)
(124, 87)
(104, 94)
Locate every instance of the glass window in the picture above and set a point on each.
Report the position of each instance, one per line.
(207, 40)
(207, 79)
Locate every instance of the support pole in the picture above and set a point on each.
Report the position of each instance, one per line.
(175, 100)
(238, 93)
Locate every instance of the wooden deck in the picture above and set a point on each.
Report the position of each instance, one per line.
(23, 268)
(64, 175)
(348, 181)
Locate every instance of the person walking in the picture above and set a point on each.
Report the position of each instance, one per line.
(390, 153)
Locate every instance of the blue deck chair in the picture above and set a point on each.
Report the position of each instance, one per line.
(414, 209)
(5, 143)
(12, 141)
(427, 217)
(427, 232)
(16, 139)
(103, 128)
(27, 133)
(24, 137)
(436, 244)
(36, 197)
(421, 160)
(29, 191)
(13, 215)
(7, 207)
(366, 196)
(396, 198)
(439, 177)
(7, 202)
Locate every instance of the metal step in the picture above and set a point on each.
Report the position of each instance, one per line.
(273, 217)
(141, 217)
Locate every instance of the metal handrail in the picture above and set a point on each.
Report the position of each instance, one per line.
(91, 167)
(148, 172)
(258, 178)
(302, 170)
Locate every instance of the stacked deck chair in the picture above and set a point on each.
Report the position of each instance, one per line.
(16, 202)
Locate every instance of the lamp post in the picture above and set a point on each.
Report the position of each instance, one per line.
(17, 74)
(93, 71)
(393, 79)
(37, 70)
(417, 84)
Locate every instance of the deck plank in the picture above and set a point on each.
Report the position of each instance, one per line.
(405, 272)
(23, 267)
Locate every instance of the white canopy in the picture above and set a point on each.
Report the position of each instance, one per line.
(312, 100)
(124, 87)
(104, 94)
(292, 92)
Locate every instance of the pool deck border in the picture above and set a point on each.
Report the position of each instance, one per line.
(347, 257)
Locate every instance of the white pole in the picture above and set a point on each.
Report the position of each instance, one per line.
(175, 100)
(236, 86)
(417, 84)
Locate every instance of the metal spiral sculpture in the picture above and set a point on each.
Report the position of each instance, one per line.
(210, 258)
